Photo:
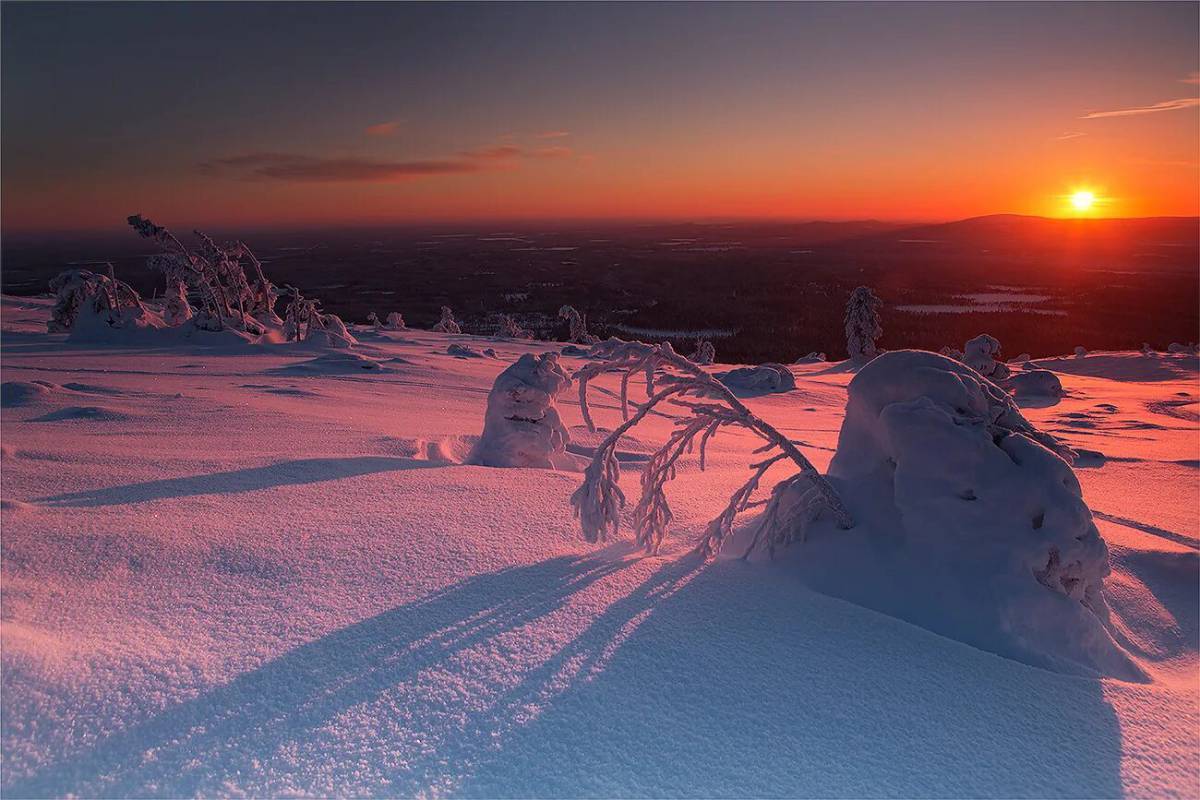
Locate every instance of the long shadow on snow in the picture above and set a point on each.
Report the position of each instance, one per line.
(284, 473)
(743, 683)
(226, 733)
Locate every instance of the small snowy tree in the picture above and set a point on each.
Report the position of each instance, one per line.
(447, 324)
(81, 291)
(373, 321)
(862, 324)
(576, 325)
(395, 322)
(704, 354)
(176, 309)
(509, 328)
(521, 427)
(982, 355)
(708, 406)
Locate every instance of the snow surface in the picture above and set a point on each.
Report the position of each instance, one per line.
(266, 570)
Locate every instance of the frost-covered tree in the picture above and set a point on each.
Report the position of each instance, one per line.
(305, 322)
(862, 324)
(509, 328)
(704, 354)
(522, 427)
(395, 322)
(447, 324)
(176, 309)
(708, 406)
(218, 276)
(373, 321)
(79, 292)
(576, 326)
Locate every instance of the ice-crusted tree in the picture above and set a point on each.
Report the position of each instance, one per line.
(394, 322)
(373, 321)
(522, 427)
(176, 308)
(81, 291)
(576, 326)
(304, 321)
(708, 407)
(447, 324)
(862, 324)
(705, 352)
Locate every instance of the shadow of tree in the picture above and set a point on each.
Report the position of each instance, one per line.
(284, 473)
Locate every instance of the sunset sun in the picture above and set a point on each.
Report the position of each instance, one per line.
(1083, 200)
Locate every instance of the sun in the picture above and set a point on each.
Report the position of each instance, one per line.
(1083, 200)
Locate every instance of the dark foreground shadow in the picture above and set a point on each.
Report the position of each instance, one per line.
(727, 681)
(285, 473)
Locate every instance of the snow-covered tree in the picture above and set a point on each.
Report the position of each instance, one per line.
(704, 354)
(522, 427)
(373, 321)
(862, 324)
(982, 355)
(395, 322)
(447, 324)
(576, 326)
(509, 328)
(708, 406)
(176, 309)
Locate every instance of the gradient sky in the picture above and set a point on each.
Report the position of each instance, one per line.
(201, 114)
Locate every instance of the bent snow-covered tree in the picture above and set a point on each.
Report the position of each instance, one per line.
(708, 406)
(447, 324)
(862, 324)
(576, 326)
(94, 296)
(705, 353)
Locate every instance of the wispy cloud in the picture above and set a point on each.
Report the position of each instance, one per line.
(314, 169)
(389, 128)
(499, 152)
(552, 134)
(1062, 137)
(553, 152)
(1193, 77)
(1166, 105)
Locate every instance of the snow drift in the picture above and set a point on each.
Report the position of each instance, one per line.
(762, 379)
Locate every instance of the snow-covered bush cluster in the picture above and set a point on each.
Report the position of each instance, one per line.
(509, 328)
(447, 323)
(85, 300)
(762, 379)
(521, 427)
(304, 322)
(982, 355)
(862, 324)
(704, 354)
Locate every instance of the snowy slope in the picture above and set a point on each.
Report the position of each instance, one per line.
(241, 570)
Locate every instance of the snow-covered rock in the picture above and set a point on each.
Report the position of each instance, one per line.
(521, 426)
(1035, 383)
(762, 379)
(970, 526)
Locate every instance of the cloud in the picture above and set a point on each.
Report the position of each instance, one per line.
(313, 169)
(1069, 135)
(499, 152)
(1166, 105)
(389, 128)
(553, 152)
(1193, 77)
(552, 134)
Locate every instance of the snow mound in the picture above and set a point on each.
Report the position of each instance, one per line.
(968, 526)
(466, 351)
(92, 413)
(763, 379)
(23, 393)
(1035, 383)
(521, 426)
(338, 362)
(981, 354)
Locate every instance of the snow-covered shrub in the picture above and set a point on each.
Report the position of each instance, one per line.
(1176, 347)
(981, 354)
(304, 322)
(395, 322)
(521, 427)
(373, 321)
(609, 346)
(577, 326)
(709, 406)
(447, 324)
(950, 352)
(812, 358)
(466, 351)
(1081, 351)
(509, 328)
(86, 299)
(705, 352)
(862, 324)
(763, 379)
(975, 502)
(332, 330)
(1035, 383)
(1021, 359)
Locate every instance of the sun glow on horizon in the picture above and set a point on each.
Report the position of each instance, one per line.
(1083, 201)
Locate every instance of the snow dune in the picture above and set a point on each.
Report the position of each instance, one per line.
(267, 570)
